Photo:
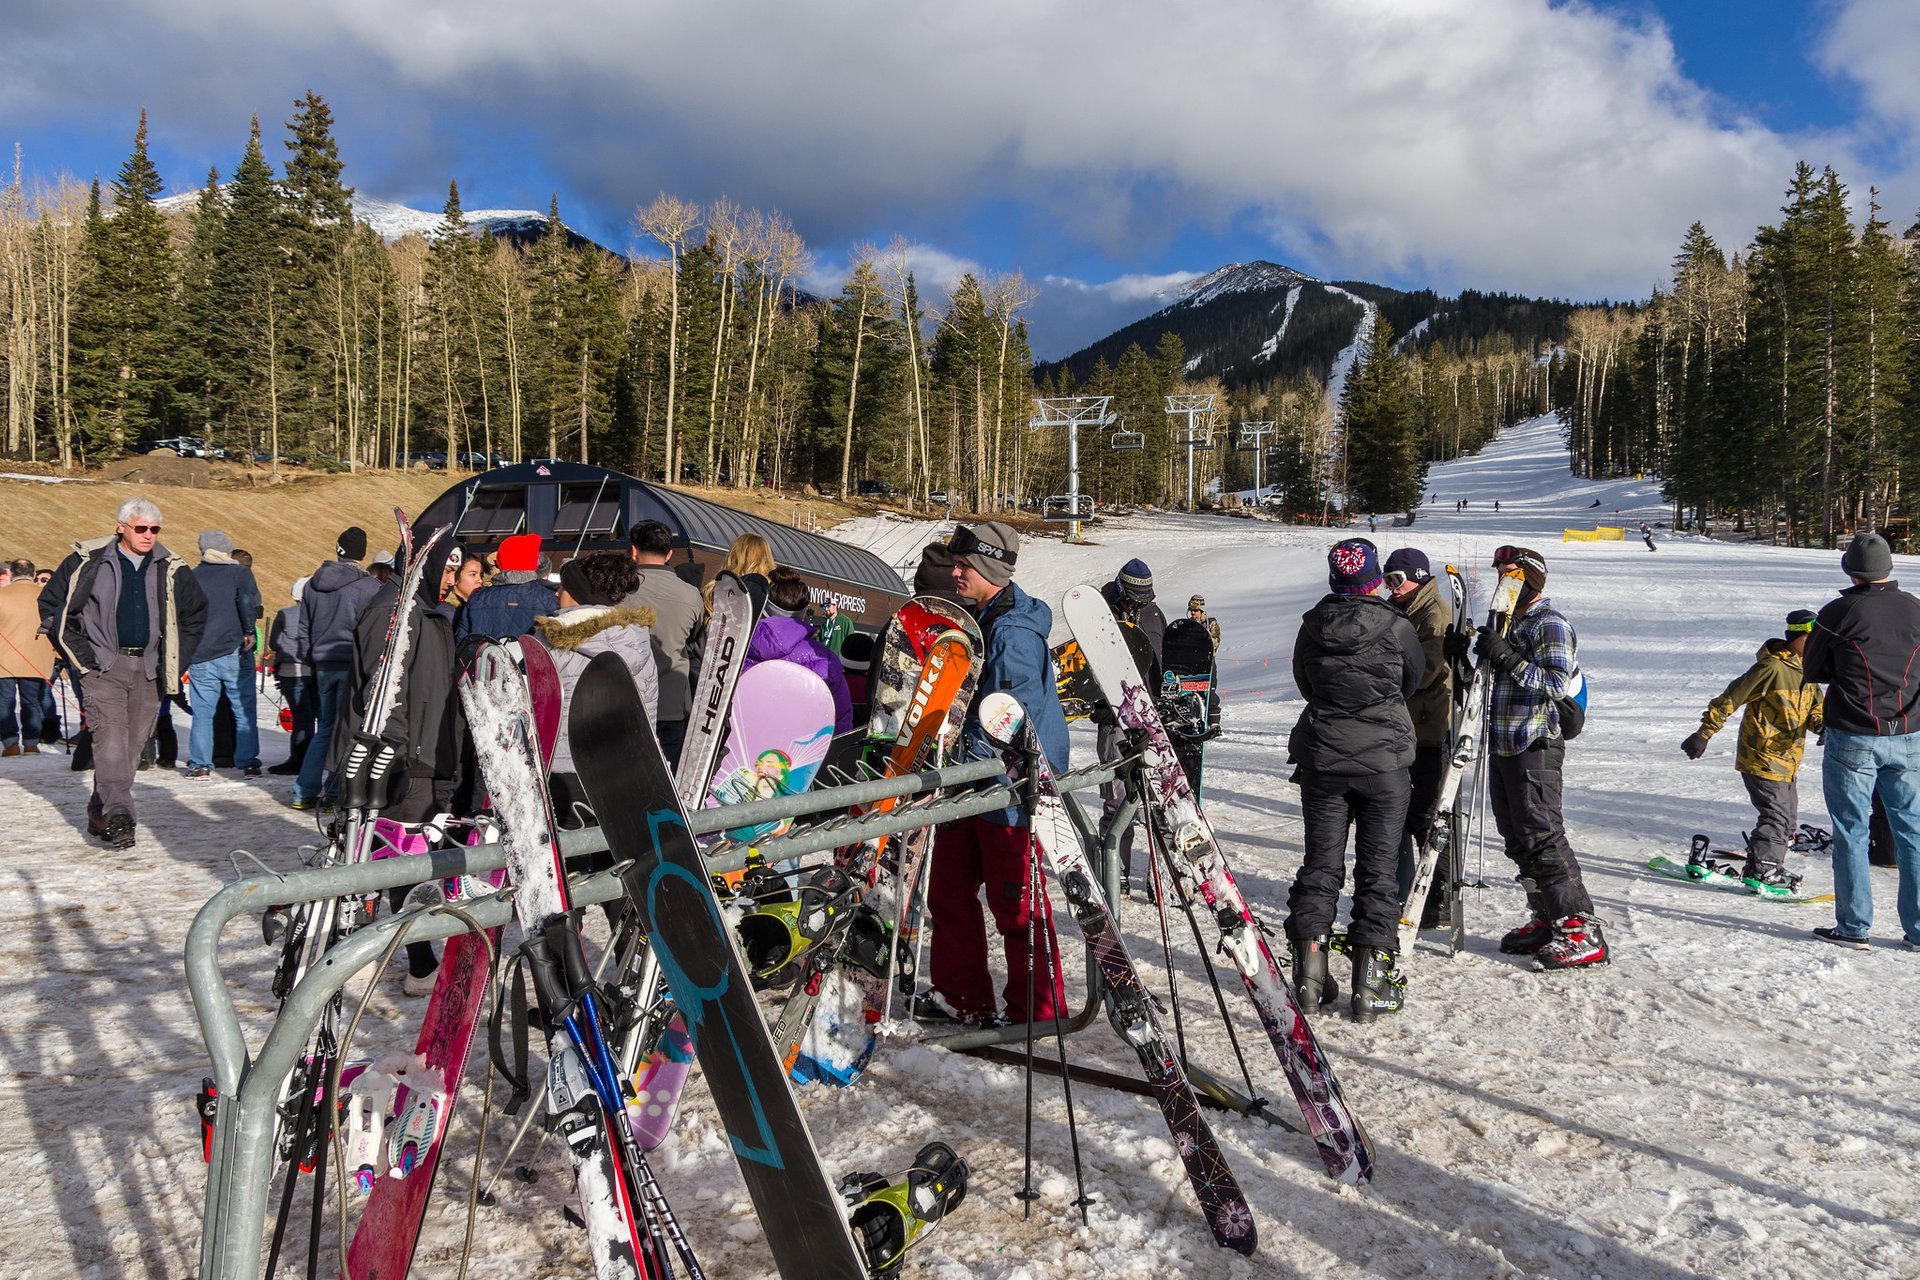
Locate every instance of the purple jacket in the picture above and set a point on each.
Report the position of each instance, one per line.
(778, 636)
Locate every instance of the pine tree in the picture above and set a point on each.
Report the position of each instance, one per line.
(1385, 471)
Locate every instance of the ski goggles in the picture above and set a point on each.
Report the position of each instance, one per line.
(1521, 556)
(965, 542)
(1396, 579)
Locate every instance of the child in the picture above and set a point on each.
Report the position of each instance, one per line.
(1781, 708)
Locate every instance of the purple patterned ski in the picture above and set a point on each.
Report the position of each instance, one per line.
(1200, 866)
(1129, 1006)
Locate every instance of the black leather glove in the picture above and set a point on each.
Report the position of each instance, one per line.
(1695, 746)
(1492, 647)
(1458, 645)
(1103, 715)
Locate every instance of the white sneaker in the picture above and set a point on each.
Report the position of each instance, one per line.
(421, 985)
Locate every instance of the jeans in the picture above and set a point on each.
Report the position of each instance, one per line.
(330, 686)
(32, 710)
(206, 680)
(298, 693)
(1855, 768)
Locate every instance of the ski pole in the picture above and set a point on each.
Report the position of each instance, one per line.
(1038, 888)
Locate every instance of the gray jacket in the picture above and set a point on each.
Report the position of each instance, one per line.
(80, 605)
(679, 633)
(331, 604)
(576, 635)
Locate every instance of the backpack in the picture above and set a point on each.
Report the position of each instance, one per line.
(1572, 707)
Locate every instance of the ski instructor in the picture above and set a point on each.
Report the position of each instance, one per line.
(994, 851)
(1534, 664)
(126, 615)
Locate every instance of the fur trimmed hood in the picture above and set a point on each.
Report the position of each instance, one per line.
(571, 628)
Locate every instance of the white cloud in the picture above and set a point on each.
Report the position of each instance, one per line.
(1158, 289)
(1512, 144)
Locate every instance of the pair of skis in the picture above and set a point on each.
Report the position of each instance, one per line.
(1446, 839)
(1199, 868)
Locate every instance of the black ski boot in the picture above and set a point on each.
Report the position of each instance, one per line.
(1378, 986)
(1313, 986)
(1535, 933)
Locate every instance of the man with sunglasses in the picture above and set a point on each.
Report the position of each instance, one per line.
(994, 851)
(1534, 665)
(1416, 592)
(127, 615)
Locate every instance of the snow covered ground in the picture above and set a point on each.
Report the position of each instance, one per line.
(1730, 1098)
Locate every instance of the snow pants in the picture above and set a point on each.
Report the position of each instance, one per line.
(1524, 793)
(1423, 799)
(970, 855)
(1374, 806)
(120, 712)
(1778, 804)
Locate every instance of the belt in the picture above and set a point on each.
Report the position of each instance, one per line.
(135, 653)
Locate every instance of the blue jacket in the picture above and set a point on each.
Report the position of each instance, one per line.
(233, 603)
(505, 610)
(336, 594)
(1014, 627)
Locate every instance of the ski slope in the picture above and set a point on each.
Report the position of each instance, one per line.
(1730, 1098)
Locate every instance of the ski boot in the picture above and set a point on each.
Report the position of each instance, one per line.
(1537, 932)
(1698, 866)
(1313, 985)
(891, 1216)
(1769, 881)
(1577, 941)
(1378, 985)
(776, 939)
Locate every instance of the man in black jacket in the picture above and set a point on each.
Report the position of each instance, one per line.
(1866, 649)
(1356, 660)
(336, 594)
(126, 615)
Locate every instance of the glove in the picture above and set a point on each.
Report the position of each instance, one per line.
(1695, 746)
(1103, 715)
(1491, 646)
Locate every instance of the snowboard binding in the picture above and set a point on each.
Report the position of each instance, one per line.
(890, 1216)
(777, 937)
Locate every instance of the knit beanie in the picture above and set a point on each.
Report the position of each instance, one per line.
(1196, 601)
(1532, 566)
(519, 554)
(1412, 562)
(990, 549)
(1800, 620)
(573, 581)
(1868, 556)
(214, 540)
(352, 544)
(1136, 580)
(1353, 567)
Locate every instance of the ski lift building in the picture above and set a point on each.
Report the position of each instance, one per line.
(577, 508)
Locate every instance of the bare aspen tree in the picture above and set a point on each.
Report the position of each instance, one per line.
(670, 220)
(726, 231)
(783, 258)
(866, 287)
(510, 288)
(900, 280)
(61, 215)
(17, 307)
(1006, 297)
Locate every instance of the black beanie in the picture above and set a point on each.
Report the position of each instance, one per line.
(352, 544)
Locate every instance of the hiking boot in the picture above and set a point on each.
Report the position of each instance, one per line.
(1577, 941)
(1313, 986)
(1378, 985)
(31, 749)
(119, 829)
(1527, 939)
(11, 750)
(1840, 939)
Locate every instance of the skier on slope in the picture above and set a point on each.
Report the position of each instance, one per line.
(1534, 665)
(1781, 708)
(1646, 535)
(1416, 592)
(1357, 660)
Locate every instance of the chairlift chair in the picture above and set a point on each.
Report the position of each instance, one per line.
(1128, 440)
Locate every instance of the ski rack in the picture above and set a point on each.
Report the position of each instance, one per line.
(241, 1165)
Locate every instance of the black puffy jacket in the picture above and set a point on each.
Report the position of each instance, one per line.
(1356, 659)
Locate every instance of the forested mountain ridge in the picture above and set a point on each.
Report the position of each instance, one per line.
(1258, 323)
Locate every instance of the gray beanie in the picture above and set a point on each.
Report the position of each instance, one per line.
(1868, 556)
(214, 540)
(990, 549)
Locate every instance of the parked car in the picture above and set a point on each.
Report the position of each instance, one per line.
(476, 460)
(433, 459)
(938, 496)
(873, 489)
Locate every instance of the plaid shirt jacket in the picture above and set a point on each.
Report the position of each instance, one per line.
(1523, 712)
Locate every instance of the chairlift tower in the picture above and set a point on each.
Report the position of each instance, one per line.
(1252, 436)
(1198, 409)
(1073, 413)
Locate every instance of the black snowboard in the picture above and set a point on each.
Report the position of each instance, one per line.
(620, 765)
(1189, 703)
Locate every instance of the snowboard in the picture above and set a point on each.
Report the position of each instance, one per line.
(1074, 680)
(1199, 866)
(1130, 1007)
(585, 1102)
(1463, 749)
(900, 658)
(625, 775)
(1675, 869)
(781, 726)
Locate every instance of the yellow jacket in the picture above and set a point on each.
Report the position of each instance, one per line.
(1781, 709)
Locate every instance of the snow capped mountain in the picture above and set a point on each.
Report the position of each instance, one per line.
(1241, 277)
(391, 221)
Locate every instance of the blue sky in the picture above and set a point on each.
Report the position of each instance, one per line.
(1107, 149)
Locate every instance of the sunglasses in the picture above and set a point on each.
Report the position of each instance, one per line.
(966, 543)
(143, 528)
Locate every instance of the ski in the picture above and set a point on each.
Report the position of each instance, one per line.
(641, 814)
(1201, 867)
(737, 604)
(584, 1096)
(1129, 1006)
(1446, 838)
